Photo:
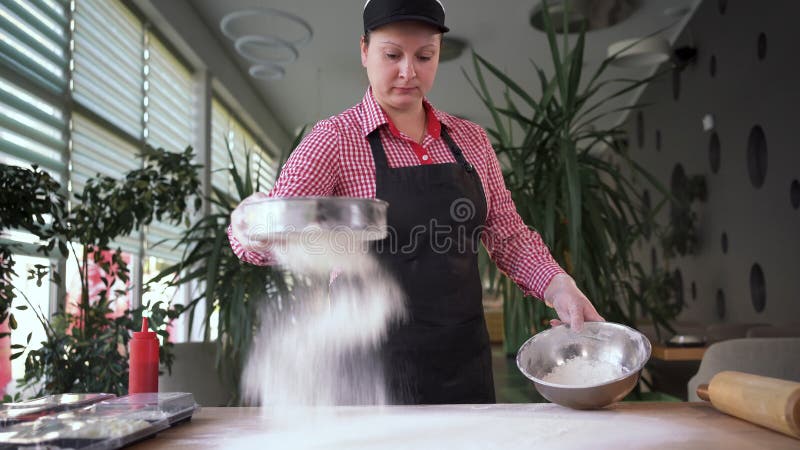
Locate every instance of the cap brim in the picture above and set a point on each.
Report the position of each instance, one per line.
(388, 20)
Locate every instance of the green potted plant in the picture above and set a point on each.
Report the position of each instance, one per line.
(574, 182)
(86, 349)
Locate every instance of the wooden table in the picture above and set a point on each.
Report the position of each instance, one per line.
(510, 426)
(665, 353)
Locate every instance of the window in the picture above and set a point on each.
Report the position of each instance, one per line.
(33, 124)
(169, 102)
(227, 133)
(169, 295)
(27, 321)
(84, 86)
(108, 85)
(109, 79)
(119, 293)
(169, 98)
(95, 150)
(33, 80)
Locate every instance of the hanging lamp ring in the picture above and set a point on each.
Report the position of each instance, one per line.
(267, 71)
(245, 45)
(225, 23)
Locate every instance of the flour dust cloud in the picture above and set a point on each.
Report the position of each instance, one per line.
(322, 348)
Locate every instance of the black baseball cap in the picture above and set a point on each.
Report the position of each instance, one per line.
(381, 12)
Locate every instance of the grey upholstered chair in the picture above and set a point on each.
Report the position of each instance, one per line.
(787, 330)
(193, 371)
(771, 357)
(723, 331)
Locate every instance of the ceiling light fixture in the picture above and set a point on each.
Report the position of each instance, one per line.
(579, 14)
(267, 71)
(451, 48)
(293, 21)
(246, 46)
(640, 52)
(269, 52)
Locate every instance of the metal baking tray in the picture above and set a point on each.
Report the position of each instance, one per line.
(84, 429)
(13, 413)
(176, 406)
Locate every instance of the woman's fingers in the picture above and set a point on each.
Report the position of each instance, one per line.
(575, 316)
(593, 316)
(578, 309)
(241, 230)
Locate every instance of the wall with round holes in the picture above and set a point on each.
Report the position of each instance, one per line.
(748, 265)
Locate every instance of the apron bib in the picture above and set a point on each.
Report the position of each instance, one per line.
(441, 354)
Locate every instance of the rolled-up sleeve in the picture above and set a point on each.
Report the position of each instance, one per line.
(311, 170)
(517, 250)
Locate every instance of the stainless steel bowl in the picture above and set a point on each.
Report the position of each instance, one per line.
(601, 341)
(361, 218)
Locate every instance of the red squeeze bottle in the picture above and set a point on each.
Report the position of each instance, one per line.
(143, 365)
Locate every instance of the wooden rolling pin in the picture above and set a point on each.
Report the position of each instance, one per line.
(769, 402)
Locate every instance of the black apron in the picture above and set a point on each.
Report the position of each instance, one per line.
(441, 354)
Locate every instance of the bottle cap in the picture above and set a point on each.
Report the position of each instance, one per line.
(144, 334)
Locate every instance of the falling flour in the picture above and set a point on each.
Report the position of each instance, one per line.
(579, 371)
(321, 348)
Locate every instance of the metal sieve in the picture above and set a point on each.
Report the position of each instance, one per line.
(274, 218)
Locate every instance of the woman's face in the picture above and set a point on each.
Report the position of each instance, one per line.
(401, 59)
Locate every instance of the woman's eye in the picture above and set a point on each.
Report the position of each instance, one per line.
(392, 55)
(425, 58)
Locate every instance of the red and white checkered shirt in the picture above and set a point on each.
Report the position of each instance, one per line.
(335, 159)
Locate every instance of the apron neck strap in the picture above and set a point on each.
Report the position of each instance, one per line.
(378, 154)
(457, 153)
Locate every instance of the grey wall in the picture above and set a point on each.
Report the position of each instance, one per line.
(761, 223)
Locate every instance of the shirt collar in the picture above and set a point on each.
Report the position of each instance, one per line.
(375, 116)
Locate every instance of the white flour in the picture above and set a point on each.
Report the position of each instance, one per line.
(580, 371)
(484, 427)
(322, 347)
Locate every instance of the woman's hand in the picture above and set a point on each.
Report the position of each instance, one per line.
(569, 302)
(241, 230)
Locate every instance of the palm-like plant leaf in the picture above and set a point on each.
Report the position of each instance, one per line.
(586, 209)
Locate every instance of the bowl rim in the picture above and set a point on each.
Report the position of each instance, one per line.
(312, 199)
(635, 371)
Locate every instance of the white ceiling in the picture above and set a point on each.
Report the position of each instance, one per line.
(328, 77)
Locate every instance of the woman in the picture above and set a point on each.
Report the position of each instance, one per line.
(435, 171)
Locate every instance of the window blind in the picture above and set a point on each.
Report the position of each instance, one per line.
(108, 73)
(170, 99)
(108, 81)
(98, 150)
(263, 169)
(33, 41)
(170, 107)
(33, 68)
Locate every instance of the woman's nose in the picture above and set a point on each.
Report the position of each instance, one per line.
(407, 68)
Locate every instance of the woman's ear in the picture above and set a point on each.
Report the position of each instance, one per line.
(364, 48)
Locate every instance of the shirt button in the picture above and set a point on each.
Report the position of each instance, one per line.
(424, 157)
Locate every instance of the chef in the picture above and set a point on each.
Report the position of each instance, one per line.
(446, 196)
